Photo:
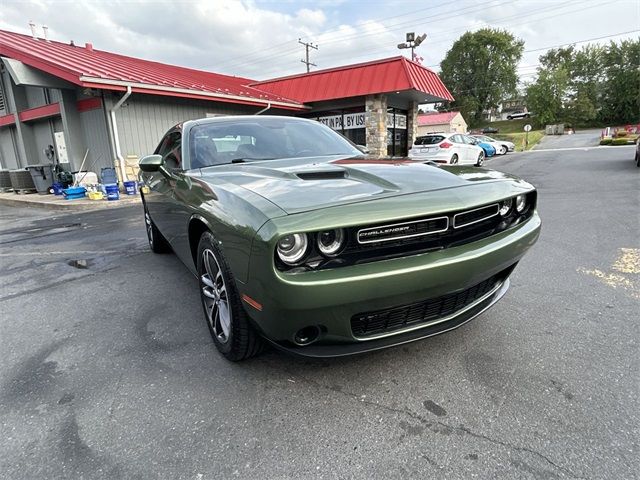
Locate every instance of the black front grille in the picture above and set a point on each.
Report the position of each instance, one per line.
(397, 231)
(474, 216)
(383, 321)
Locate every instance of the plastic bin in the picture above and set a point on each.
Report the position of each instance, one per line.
(108, 175)
(57, 188)
(112, 192)
(42, 176)
(74, 193)
(130, 188)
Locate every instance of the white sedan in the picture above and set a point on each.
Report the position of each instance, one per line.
(449, 148)
(501, 146)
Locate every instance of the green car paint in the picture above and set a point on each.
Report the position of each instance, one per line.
(250, 206)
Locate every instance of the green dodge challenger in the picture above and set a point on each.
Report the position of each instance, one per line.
(298, 240)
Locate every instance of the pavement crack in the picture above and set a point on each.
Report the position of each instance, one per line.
(438, 426)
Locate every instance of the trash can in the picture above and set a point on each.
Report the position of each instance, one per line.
(42, 176)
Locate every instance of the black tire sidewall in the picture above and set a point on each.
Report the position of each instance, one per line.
(208, 241)
(454, 159)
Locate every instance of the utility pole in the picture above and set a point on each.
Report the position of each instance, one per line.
(307, 46)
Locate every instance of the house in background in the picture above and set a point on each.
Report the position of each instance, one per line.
(441, 122)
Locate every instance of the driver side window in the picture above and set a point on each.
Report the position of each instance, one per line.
(170, 150)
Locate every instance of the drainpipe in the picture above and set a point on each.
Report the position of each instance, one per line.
(264, 109)
(116, 138)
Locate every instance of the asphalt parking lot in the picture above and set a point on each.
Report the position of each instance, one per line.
(108, 370)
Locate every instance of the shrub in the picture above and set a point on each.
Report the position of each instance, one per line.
(620, 141)
(606, 141)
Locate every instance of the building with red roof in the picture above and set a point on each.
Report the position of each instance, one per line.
(63, 100)
(441, 122)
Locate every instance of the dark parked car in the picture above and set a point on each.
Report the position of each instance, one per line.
(489, 130)
(297, 239)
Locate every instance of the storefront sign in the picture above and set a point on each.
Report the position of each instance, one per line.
(351, 121)
(401, 121)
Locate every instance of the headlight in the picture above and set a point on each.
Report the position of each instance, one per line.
(505, 207)
(291, 248)
(330, 241)
(521, 203)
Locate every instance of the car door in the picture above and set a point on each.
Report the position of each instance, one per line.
(461, 149)
(169, 188)
(473, 150)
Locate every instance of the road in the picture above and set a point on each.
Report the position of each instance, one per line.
(108, 370)
(580, 139)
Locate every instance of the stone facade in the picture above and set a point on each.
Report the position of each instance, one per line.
(376, 124)
(412, 124)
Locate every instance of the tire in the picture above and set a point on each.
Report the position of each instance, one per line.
(509, 117)
(480, 160)
(232, 333)
(527, 116)
(454, 159)
(504, 150)
(157, 243)
(637, 160)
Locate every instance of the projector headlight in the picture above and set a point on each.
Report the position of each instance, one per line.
(330, 241)
(521, 203)
(292, 248)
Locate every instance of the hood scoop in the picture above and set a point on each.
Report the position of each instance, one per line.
(322, 175)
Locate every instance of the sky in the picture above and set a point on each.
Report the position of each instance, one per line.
(259, 39)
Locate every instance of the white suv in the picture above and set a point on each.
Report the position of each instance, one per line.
(518, 114)
(449, 148)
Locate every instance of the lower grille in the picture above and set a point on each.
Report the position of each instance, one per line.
(383, 321)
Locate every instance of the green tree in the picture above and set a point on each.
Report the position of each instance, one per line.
(480, 70)
(620, 100)
(546, 97)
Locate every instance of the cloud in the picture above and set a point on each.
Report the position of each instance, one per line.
(260, 40)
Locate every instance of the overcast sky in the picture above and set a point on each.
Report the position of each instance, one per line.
(259, 39)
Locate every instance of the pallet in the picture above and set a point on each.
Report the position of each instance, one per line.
(24, 191)
(6, 190)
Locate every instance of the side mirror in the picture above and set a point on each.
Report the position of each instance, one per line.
(151, 163)
(363, 149)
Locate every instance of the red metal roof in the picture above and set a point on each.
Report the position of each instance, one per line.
(380, 76)
(88, 67)
(436, 118)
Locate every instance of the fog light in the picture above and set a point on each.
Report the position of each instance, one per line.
(521, 203)
(505, 207)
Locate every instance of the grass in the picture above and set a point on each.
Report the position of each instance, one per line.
(518, 138)
(507, 126)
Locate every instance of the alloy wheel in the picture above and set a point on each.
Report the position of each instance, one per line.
(149, 226)
(503, 150)
(480, 159)
(214, 296)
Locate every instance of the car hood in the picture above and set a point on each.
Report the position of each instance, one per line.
(299, 185)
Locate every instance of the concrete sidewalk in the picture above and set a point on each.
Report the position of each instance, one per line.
(55, 202)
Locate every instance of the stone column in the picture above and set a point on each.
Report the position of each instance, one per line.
(376, 124)
(412, 124)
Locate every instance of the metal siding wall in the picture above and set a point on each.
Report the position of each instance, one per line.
(35, 96)
(94, 130)
(42, 139)
(55, 95)
(8, 159)
(144, 119)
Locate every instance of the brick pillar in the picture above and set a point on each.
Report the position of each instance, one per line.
(376, 124)
(412, 124)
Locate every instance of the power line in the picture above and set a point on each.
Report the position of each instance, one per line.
(307, 46)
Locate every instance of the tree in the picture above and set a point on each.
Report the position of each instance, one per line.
(480, 70)
(620, 100)
(545, 97)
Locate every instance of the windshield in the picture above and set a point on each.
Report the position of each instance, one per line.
(429, 140)
(263, 138)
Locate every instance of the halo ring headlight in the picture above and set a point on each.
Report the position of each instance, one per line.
(330, 241)
(521, 203)
(292, 248)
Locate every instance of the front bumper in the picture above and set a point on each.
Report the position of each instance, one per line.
(330, 298)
